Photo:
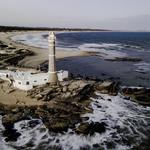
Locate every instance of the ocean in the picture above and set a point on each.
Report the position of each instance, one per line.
(128, 128)
(121, 56)
(128, 123)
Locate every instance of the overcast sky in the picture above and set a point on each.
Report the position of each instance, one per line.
(108, 14)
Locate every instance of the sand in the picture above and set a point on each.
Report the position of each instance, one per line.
(41, 55)
(18, 97)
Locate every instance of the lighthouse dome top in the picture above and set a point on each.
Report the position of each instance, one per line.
(52, 36)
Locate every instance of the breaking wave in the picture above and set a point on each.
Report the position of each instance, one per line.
(105, 50)
(35, 39)
(128, 125)
(143, 67)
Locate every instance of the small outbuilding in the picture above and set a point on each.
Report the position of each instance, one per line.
(27, 80)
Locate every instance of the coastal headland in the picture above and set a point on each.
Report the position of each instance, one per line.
(61, 106)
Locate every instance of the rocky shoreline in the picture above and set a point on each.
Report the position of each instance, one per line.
(64, 104)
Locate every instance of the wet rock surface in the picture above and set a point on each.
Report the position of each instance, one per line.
(62, 109)
(75, 90)
(140, 95)
(10, 134)
(108, 87)
(91, 128)
(130, 59)
(63, 106)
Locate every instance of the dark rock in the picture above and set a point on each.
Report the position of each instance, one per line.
(46, 146)
(13, 114)
(15, 110)
(11, 134)
(33, 123)
(140, 95)
(108, 87)
(3, 46)
(91, 128)
(63, 105)
(74, 89)
(10, 119)
(86, 147)
(11, 47)
(85, 119)
(131, 59)
(1, 81)
(58, 125)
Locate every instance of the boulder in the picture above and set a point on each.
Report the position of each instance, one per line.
(139, 95)
(3, 46)
(64, 89)
(10, 119)
(33, 123)
(77, 84)
(108, 87)
(39, 96)
(11, 134)
(91, 128)
(78, 89)
(58, 125)
(1, 81)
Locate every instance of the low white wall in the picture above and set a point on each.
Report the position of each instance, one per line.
(22, 86)
(62, 75)
(20, 81)
(39, 80)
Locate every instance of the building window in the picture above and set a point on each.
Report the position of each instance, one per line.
(35, 81)
(27, 83)
(45, 79)
(19, 82)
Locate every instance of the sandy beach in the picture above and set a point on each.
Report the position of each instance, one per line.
(41, 55)
(73, 76)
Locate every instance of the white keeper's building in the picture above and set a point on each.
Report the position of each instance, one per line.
(27, 80)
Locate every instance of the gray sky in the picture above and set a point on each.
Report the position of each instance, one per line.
(110, 14)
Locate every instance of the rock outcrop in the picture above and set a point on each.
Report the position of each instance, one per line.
(130, 59)
(91, 128)
(63, 105)
(139, 95)
(108, 87)
(75, 90)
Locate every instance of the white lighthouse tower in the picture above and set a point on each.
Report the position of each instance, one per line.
(53, 78)
(27, 80)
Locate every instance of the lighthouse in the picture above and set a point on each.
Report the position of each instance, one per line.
(27, 80)
(53, 78)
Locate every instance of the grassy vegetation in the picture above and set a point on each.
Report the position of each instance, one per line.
(16, 28)
(14, 58)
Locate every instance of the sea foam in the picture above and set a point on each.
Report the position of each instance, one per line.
(125, 120)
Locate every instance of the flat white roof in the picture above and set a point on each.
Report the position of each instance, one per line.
(26, 76)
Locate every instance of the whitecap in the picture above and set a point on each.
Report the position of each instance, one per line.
(104, 50)
(125, 119)
(35, 39)
(143, 67)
